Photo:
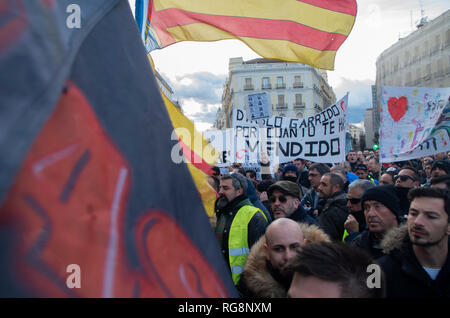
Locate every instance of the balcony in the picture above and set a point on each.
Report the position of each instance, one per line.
(267, 86)
(281, 106)
(281, 85)
(249, 87)
(298, 85)
(299, 105)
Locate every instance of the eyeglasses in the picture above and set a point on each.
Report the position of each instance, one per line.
(353, 200)
(281, 198)
(403, 178)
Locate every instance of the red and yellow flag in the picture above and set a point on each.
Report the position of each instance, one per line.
(302, 31)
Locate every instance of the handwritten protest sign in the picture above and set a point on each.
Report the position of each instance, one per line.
(319, 138)
(414, 122)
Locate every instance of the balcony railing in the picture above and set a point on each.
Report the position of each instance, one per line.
(248, 87)
(281, 106)
(298, 85)
(267, 86)
(299, 105)
(281, 86)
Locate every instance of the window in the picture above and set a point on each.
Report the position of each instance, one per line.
(248, 84)
(280, 103)
(298, 81)
(266, 83)
(280, 82)
(299, 101)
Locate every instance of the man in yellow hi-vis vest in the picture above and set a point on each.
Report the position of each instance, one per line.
(239, 224)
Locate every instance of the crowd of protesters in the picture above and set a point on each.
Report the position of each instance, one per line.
(355, 229)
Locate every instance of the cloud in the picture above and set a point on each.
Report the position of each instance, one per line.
(199, 95)
(359, 98)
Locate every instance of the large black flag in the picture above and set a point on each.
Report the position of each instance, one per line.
(91, 203)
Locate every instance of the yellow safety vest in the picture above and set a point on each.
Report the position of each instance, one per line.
(238, 249)
(345, 235)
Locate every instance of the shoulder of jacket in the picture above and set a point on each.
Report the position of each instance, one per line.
(312, 233)
(394, 239)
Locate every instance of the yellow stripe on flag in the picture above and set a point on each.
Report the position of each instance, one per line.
(283, 50)
(287, 10)
(207, 193)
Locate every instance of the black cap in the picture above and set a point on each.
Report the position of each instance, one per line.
(387, 196)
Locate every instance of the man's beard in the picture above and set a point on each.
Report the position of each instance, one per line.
(417, 242)
(222, 202)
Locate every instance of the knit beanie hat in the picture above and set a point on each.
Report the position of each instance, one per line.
(387, 196)
(290, 167)
(441, 164)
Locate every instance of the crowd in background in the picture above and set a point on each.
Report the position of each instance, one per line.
(315, 229)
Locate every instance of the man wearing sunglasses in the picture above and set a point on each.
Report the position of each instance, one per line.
(356, 222)
(406, 179)
(284, 197)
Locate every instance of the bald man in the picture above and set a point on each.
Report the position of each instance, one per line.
(262, 273)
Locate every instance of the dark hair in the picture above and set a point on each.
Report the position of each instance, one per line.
(238, 181)
(416, 173)
(215, 170)
(320, 167)
(335, 179)
(252, 173)
(264, 185)
(300, 159)
(216, 182)
(337, 262)
(429, 192)
(441, 179)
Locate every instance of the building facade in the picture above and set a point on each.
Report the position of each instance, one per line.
(357, 136)
(421, 59)
(294, 90)
(368, 127)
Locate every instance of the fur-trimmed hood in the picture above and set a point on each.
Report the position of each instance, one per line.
(395, 239)
(258, 279)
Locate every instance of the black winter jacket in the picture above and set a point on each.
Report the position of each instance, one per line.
(333, 215)
(405, 276)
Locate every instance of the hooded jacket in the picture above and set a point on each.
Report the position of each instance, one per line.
(256, 226)
(253, 197)
(405, 276)
(333, 216)
(259, 280)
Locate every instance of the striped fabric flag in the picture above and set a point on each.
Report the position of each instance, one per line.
(91, 202)
(192, 148)
(302, 31)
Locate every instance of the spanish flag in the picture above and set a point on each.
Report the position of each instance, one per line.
(301, 31)
(92, 203)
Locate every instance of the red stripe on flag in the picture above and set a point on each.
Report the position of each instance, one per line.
(249, 27)
(193, 158)
(343, 6)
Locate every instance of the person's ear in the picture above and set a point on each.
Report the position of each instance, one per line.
(296, 203)
(266, 249)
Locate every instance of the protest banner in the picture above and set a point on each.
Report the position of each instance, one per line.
(319, 138)
(414, 122)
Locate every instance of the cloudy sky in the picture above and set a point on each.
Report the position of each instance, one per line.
(197, 71)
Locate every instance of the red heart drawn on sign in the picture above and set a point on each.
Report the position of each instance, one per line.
(397, 107)
(342, 106)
